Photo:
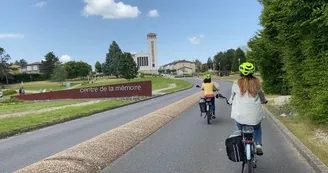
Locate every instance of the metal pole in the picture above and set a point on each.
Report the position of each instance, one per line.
(219, 68)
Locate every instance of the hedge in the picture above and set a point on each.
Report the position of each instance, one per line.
(17, 78)
(8, 92)
(295, 44)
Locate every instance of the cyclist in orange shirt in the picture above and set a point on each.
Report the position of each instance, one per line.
(209, 87)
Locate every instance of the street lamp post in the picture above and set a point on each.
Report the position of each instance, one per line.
(219, 68)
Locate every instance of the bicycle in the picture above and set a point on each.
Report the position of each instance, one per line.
(208, 107)
(247, 134)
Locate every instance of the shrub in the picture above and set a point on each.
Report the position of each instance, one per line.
(142, 75)
(17, 78)
(10, 101)
(8, 92)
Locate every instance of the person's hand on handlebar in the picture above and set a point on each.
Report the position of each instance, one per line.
(264, 102)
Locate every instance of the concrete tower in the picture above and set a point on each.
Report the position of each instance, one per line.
(152, 51)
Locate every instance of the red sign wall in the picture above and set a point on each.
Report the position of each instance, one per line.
(108, 91)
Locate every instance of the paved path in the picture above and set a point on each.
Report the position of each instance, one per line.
(189, 145)
(23, 150)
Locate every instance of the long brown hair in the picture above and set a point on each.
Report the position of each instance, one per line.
(250, 84)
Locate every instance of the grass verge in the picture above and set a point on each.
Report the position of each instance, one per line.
(7, 108)
(36, 86)
(16, 125)
(180, 85)
(157, 82)
(315, 137)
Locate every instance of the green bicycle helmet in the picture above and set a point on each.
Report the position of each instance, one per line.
(207, 76)
(246, 68)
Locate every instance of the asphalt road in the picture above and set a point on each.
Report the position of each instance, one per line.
(25, 149)
(189, 145)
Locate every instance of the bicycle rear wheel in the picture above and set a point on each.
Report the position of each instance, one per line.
(209, 116)
(250, 168)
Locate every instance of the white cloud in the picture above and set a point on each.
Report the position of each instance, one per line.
(196, 39)
(153, 13)
(109, 9)
(65, 58)
(40, 4)
(11, 35)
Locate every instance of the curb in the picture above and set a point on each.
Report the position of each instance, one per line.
(95, 154)
(311, 158)
(48, 124)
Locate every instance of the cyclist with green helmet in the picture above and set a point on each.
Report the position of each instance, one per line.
(246, 99)
(209, 87)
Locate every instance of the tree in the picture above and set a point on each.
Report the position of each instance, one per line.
(204, 67)
(209, 63)
(128, 67)
(77, 69)
(198, 65)
(49, 64)
(59, 74)
(21, 62)
(239, 57)
(98, 67)
(4, 69)
(110, 67)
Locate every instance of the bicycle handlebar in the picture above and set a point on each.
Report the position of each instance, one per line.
(221, 96)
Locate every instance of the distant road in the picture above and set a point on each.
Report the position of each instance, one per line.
(23, 150)
(189, 145)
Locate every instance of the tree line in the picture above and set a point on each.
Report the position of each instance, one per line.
(223, 62)
(117, 63)
(51, 68)
(291, 52)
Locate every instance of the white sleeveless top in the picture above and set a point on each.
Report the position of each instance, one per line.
(246, 109)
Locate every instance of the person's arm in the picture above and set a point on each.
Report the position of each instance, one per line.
(233, 92)
(216, 86)
(262, 96)
(202, 88)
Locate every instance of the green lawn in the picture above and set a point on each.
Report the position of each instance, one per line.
(55, 86)
(31, 106)
(157, 82)
(10, 126)
(180, 85)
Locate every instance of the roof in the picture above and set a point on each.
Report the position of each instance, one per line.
(14, 66)
(179, 61)
(151, 34)
(35, 63)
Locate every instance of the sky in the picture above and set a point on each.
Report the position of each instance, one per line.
(84, 29)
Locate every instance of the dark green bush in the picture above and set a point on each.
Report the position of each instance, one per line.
(8, 92)
(293, 47)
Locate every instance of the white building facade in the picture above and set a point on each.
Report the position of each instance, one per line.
(31, 68)
(148, 63)
(181, 67)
